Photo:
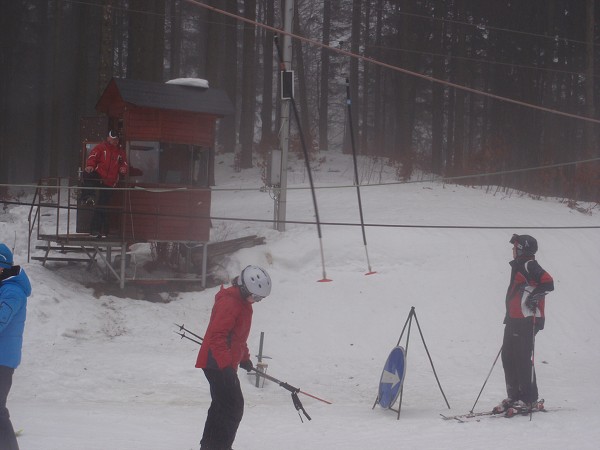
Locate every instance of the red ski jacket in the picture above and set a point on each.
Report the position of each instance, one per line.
(224, 343)
(108, 161)
(527, 277)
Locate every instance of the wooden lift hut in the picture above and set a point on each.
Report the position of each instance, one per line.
(168, 133)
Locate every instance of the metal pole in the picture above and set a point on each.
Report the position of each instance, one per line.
(430, 360)
(486, 380)
(288, 14)
(260, 351)
(356, 181)
(532, 366)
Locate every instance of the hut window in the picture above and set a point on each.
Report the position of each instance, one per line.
(144, 155)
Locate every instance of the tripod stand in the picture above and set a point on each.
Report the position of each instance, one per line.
(412, 315)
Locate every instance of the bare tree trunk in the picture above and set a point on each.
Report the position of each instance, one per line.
(406, 95)
(10, 21)
(120, 37)
(437, 101)
(302, 99)
(42, 93)
(268, 138)
(378, 118)
(146, 40)
(590, 136)
(324, 79)
(459, 94)
(364, 109)
(248, 87)
(56, 92)
(227, 135)
(214, 39)
(175, 39)
(353, 76)
(106, 47)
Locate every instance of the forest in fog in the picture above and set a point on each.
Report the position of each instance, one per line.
(450, 87)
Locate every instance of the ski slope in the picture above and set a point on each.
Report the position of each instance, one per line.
(103, 372)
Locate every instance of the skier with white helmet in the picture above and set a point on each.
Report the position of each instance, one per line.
(223, 349)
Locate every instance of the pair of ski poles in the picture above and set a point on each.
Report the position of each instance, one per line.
(294, 390)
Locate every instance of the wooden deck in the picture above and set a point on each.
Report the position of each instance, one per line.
(110, 254)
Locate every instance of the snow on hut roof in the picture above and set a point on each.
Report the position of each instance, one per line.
(195, 82)
(192, 95)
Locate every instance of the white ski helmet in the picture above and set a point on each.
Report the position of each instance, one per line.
(255, 280)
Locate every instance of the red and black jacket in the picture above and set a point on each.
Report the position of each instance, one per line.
(108, 161)
(526, 273)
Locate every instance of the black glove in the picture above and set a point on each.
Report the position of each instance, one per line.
(12, 272)
(532, 303)
(247, 365)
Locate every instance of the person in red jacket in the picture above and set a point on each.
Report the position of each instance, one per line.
(525, 305)
(108, 161)
(223, 349)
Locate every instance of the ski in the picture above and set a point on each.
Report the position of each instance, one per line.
(470, 415)
(509, 413)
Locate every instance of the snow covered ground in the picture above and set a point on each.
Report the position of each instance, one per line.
(106, 372)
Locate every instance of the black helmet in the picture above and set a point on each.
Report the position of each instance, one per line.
(526, 245)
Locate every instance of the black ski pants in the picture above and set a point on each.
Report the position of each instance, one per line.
(8, 441)
(225, 412)
(517, 349)
(99, 224)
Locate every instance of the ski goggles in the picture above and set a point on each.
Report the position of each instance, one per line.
(256, 298)
(515, 241)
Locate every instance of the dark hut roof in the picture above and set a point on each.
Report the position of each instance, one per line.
(176, 97)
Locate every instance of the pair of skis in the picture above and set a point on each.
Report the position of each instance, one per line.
(510, 412)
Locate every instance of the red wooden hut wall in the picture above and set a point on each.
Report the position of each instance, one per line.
(148, 124)
(177, 215)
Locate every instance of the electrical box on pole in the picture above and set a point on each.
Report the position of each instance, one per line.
(274, 169)
(287, 84)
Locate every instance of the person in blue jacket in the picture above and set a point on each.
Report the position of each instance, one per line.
(14, 290)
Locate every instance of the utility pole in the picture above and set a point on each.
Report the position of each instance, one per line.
(284, 135)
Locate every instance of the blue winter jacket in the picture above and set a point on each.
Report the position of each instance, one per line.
(14, 291)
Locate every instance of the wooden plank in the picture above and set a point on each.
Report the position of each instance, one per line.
(64, 249)
(230, 246)
(60, 258)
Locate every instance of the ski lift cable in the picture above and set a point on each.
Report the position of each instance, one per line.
(353, 224)
(337, 186)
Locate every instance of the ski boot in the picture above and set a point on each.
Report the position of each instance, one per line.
(522, 408)
(503, 406)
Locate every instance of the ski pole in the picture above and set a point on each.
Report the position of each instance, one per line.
(294, 390)
(184, 329)
(536, 298)
(287, 386)
(532, 366)
(486, 380)
(187, 337)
